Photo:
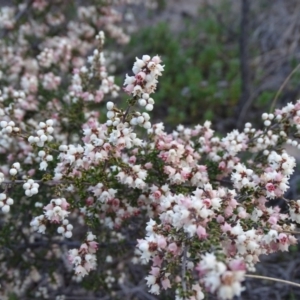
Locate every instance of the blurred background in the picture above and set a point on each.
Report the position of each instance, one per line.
(224, 60)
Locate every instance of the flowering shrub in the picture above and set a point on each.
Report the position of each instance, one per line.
(206, 200)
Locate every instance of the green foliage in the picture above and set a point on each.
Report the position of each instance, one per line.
(12, 297)
(202, 78)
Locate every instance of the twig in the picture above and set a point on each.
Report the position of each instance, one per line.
(18, 17)
(290, 231)
(126, 113)
(7, 182)
(283, 86)
(136, 290)
(244, 110)
(183, 270)
(286, 200)
(244, 55)
(49, 182)
(22, 12)
(273, 279)
(45, 244)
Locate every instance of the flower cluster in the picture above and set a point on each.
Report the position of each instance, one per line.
(5, 203)
(84, 258)
(9, 127)
(146, 71)
(38, 224)
(55, 212)
(43, 134)
(15, 169)
(31, 187)
(226, 280)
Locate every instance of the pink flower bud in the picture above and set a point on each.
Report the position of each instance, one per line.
(128, 89)
(89, 201)
(207, 202)
(270, 187)
(156, 59)
(226, 227)
(161, 242)
(172, 248)
(157, 194)
(148, 165)
(140, 76)
(237, 265)
(155, 271)
(201, 232)
(166, 283)
(93, 246)
(220, 219)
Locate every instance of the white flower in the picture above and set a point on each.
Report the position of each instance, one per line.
(150, 279)
(155, 289)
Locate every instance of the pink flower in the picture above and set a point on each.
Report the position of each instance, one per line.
(140, 76)
(283, 239)
(161, 242)
(99, 96)
(207, 202)
(165, 283)
(80, 271)
(222, 165)
(201, 232)
(243, 214)
(93, 246)
(156, 59)
(83, 248)
(220, 219)
(89, 201)
(157, 194)
(273, 220)
(237, 265)
(226, 227)
(64, 205)
(228, 211)
(270, 187)
(132, 159)
(173, 248)
(155, 271)
(128, 89)
(157, 261)
(148, 165)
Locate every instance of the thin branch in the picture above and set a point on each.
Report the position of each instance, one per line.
(183, 270)
(273, 279)
(245, 109)
(54, 182)
(290, 231)
(126, 113)
(286, 200)
(244, 55)
(48, 182)
(282, 87)
(45, 244)
(22, 12)
(136, 290)
(18, 17)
